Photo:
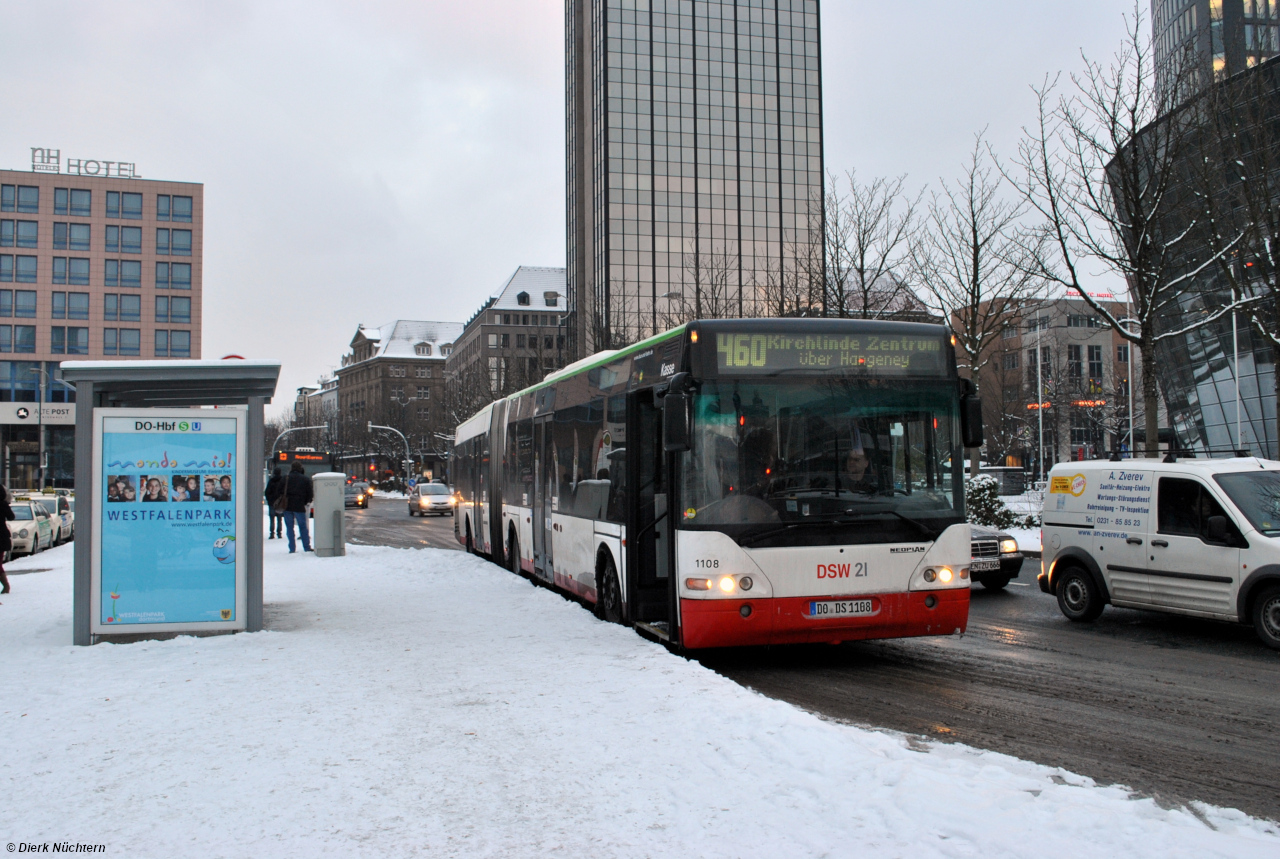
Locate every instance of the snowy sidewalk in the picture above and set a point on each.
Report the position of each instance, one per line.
(428, 703)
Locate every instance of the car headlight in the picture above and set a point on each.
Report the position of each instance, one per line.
(452, 502)
(1008, 547)
(22, 533)
(422, 501)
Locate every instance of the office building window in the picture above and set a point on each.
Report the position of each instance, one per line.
(162, 308)
(173, 275)
(422, 372)
(1075, 363)
(519, 341)
(1080, 321)
(24, 303)
(81, 202)
(22, 234)
(121, 341)
(71, 237)
(179, 309)
(125, 240)
(493, 341)
(76, 271)
(124, 205)
(6, 338)
(1095, 363)
(162, 241)
(1122, 353)
(174, 344)
(1010, 361)
(6, 302)
(69, 341)
(28, 199)
(24, 269)
(173, 208)
(59, 305)
(122, 272)
(130, 308)
(6, 268)
(8, 198)
(60, 201)
(24, 338)
(182, 243)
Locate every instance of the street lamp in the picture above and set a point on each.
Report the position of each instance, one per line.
(44, 377)
(408, 457)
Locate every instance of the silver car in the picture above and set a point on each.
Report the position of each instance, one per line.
(431, 498)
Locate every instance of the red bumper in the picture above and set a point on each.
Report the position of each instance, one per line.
(720, 623)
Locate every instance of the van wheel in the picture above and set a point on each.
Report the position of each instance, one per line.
(997, 584)
(608, 594)
(1078, 596)
(1266, 617)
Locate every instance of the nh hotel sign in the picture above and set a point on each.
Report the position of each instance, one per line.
(50, 161)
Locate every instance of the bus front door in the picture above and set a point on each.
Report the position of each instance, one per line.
(544, 484)
(648, 552)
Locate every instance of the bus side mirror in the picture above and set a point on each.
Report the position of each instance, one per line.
(675, 422)
(1217, 529)
(970, 415)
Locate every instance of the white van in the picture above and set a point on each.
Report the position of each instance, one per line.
(1199, 537)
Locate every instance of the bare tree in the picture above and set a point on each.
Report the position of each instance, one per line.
(869, 229)
(1105, 169)
(970, 262)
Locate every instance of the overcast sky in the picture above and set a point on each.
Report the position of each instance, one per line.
(388, 159)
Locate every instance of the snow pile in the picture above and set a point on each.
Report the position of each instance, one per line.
(426, 702)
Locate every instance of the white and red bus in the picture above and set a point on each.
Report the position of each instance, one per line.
(738, 482)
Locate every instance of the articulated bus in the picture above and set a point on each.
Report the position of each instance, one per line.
(738, 482)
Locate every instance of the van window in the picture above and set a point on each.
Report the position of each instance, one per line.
(1184, 508)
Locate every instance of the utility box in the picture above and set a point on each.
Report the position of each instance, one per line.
(330, 534)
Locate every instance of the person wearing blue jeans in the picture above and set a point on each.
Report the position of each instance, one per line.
(298, 493)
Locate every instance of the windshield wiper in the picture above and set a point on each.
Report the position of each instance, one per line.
(752, 539)
(928, 532)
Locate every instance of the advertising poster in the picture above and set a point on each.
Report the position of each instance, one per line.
(166, 518)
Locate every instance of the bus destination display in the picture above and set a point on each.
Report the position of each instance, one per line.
(879, 354)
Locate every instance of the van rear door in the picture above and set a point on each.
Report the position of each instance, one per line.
(1120, 509)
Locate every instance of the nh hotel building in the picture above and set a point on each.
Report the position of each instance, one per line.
(92, 267)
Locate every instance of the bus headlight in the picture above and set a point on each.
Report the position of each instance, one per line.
(944, 575)
(1008, 547)
(727, 584)
(698, 584)
(745, 583)
(931, 575)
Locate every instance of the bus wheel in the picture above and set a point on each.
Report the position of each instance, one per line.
(1078, 595)
(1266, 617)
(608, 594)
(513, 554)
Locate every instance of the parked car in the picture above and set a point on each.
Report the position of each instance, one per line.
(357, 495)
(31, 529)
(431, 498)
(60, 513)
(996, 559)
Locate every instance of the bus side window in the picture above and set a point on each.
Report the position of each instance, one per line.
(616, 456)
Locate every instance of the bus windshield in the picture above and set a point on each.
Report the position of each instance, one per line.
(821, 460)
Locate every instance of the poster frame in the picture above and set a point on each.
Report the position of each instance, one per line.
(240, 415)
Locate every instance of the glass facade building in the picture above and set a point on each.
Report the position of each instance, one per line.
(1226, 36)
(694, 161)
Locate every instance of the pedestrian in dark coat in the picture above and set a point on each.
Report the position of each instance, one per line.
(275, 486)
(298, 493)
(6, 539)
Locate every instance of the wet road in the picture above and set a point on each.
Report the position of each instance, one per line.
(387, 523)
(1177, 708)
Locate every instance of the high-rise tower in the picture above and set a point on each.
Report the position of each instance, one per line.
(1220, 37)
(694, 150)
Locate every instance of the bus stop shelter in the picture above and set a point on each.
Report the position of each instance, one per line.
(240, 385)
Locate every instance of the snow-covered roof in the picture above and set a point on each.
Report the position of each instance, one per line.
(539, 284)
(400, 339)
